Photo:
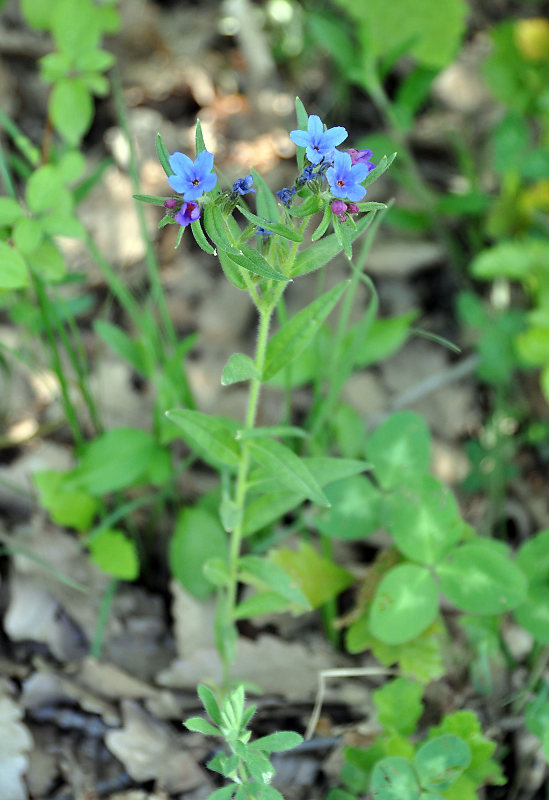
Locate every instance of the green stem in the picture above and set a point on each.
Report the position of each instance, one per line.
(104, 611)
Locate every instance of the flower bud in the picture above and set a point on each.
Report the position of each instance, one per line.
(171, 203)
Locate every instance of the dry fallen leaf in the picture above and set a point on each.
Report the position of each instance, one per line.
(149, 751)
(15, 742)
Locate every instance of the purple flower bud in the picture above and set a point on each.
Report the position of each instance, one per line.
(285, 195)
(339, 208)
(171, 203)
(243, 186)
(361, 157)
(189, 212)
(352, 208)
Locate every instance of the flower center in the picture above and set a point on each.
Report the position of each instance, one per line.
(196, 182)
(340, 183)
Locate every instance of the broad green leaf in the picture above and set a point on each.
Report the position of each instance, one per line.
(163, 155)
(200, 725)
(264, 510)
(232, 270)
(424, 519)
(482, 768)
(47, 260)
(198, 536)
(263, 573)
(75, 27)
(385, 337)
(94, 60)
(113, 552)
(10, 211)
(75, 509)
(478, 578)
(63, 225)
(440, 761)
(275, 227)
(400, 447)
(321, 252)
(267, 206)
(37, 13)
(119, 341)
(533, 614)
(44, 190)
(431, 37)
(319, 578)
(296, 334)
(209, 702)
(399, 705)
(71, 109)
(239, 367)
(264, 603)
(224, 793)
(404, 604)
(27, 235)
(13, 272)
(207, 435)
(393, 778)
(288, 469)
(250, 259)
(355, 511)
(114, 460)
(277, 742)
(533, 557)
(532, 345)
(328, 470)
(216, 572)
(517, 260)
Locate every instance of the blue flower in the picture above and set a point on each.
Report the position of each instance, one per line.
(192, 178)
(344, 178)
(189, 212)
(285, 195)
(263, 231)
(243, 186)
(317, 142)
(306, 175)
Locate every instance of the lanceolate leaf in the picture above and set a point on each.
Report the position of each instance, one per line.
(163, 155)
(267, 207)
(321, 252)
(288, 468)
(275, 227)
(200, 239)
(206, 434)
(294, 336)
(156, 200)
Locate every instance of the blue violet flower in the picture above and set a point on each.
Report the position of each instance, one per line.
(306, 176)
(243, 186)
(192, 178)
(317, 142)
(285, 195)
(361, 157)
(344, 178)
(189, 212)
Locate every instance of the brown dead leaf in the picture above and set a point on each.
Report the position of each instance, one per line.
(149, 751)
(15, 742)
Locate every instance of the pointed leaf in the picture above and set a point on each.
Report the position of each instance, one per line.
(154, 199)
(288, 468)
(200, 725)
(295, 335)
(321, 252)
(277, 742)
(210, 703)
(200, 239)
(267, 206)
(206, 434)
(239, 367)
(275, 227)
(163, 155)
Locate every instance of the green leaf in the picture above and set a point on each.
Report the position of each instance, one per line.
(71, 109)
(154, 199)
(121, 344)
(239, 367)
(533, 614)
(322, 227)
(383, 165)
(440, 761)
(269, 507)
(47, 260)
(385, 337)
(276, 742)
(163, 155)
(302, 120)
(209, 701)
(275, 227)
(482, 768)
(198, 536)
(432, 38)
(393, 778)
(200, 144)
(13, 274)
(114, 460)
(404, 604)
(37, 13)
(296, 334)
(115, 554)
(355, 511)
(44, 189)
(517, 260)
(265, 603)
(319, 578)
(10, 211)
(250, 259)
(424, 519)
(263, 573)
(200, 725)
(94, 61)
(400, 447)
(224, 793)
(321, 252)
(200, 239)
(27, 235)
(537, 718)
(478, 578)
(533, 557)
(399, 705)
(267, 206)
(288, 468)
(74, 24)
(232, 270)
(74, 509)
(270, 431)
(63, 225)
(208, 435)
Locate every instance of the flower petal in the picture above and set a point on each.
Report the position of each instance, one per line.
(334, 136)
(209, 182)
(203, 163)
(178, 183)
(301, 138)
(314, 126)
(359, 172)
(354, 192)
(179, 162)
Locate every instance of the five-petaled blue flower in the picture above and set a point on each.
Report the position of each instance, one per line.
(243, 186)
(192, 178)
(285, 195)
(189, 212)
(317, 142)
(344, 177)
